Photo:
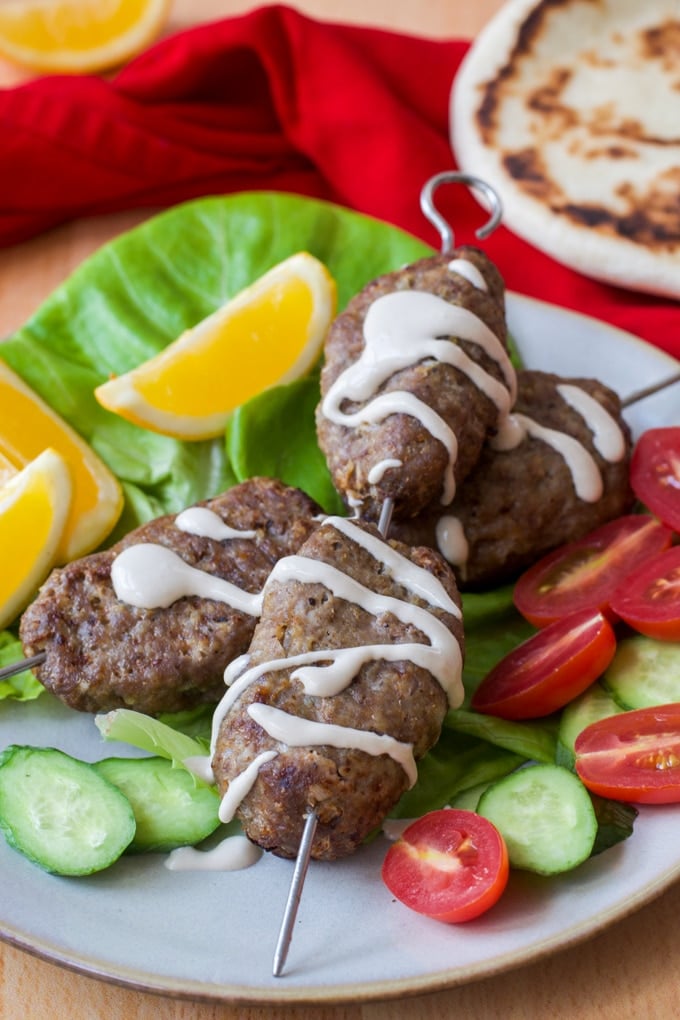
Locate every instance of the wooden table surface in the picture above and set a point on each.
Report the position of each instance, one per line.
(632, 970)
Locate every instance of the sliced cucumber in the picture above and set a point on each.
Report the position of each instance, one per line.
(644, 672)
(60, 813)
(595, 703)
(171, 807)
(546, 817)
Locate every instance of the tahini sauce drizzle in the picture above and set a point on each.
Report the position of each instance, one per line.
(608, 440)
(401, 329)
(232, 854)
(442, 657)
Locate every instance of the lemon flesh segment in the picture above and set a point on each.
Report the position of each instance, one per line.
(268, 334)
(27, 427)
(78, 35)
(34, 507)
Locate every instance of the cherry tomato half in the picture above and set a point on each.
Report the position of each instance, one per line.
(450, 864)
(585, 573)
(633, 756)
(655, 473)
(548, 669)
(649, 599)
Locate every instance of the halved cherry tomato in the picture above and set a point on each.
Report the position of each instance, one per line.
(649, 599)
(549, 669)
(585, 573)
(655, 473)
(633, 756)
(450, 864)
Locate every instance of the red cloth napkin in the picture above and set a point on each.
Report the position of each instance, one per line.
(272, 100)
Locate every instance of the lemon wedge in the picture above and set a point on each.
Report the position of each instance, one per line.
(74, 36)
(34, 507)
(270, 333)
(27, 427)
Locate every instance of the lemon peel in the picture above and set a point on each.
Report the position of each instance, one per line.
(78, 36)
(34, 507)
(270, 333)
(27, 427)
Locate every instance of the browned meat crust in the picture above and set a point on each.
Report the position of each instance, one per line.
(351, 790)
(470, 414)
(518, 505)
(104, 654)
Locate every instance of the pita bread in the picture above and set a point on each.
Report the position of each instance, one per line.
(571, 110)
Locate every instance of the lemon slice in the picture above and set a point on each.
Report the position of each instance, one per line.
(272, 332)
(34, 507)
(27, 427)
(78, 35)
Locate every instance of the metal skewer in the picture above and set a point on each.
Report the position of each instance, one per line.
(311, 820)
(649, 391)
(22, 665)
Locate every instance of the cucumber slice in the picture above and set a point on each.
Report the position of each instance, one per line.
(595, 703)
(60, 813)
(546, 817)
(644, 672)
(171, 807)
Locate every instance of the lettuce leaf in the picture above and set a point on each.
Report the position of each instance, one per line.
(140, 291)
(21, 686)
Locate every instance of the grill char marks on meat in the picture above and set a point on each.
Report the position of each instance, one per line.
(103, 653)
(355, 451)
(350, 789)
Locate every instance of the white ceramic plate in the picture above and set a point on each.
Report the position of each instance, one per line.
(212, 935)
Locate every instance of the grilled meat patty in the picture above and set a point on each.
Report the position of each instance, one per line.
(351, 789)
(370, 330)
(103, 653)
(518, 504)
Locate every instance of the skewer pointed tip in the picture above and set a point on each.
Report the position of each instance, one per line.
(294, 894)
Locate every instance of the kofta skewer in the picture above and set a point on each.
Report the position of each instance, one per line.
(102, 652)
(567, 475)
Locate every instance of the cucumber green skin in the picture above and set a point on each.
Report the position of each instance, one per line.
(644, 672)
(546, 817)
(171, 807)
(60, 813)
(594, 704)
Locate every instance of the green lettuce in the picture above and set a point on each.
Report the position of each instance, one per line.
(140, 291)
(21, 686)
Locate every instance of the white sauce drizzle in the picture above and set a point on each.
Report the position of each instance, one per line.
(233, 854)
(199, 520)
(401, 329)
(608, 438)
(467, 269)
(296, 732)
(584, 471)
(451, 540)
(442, 657)
(376, 473)
(241, 785)
(151, 576)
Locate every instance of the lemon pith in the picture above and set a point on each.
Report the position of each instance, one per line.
(78, 35)
(34, 507)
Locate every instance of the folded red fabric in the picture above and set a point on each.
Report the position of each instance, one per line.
(272, 100)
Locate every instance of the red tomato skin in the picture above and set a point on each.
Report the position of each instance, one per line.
(477, 871)
(549, 669)
(633, 756)
(584, 574)
(655, 473)
(649, 599)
